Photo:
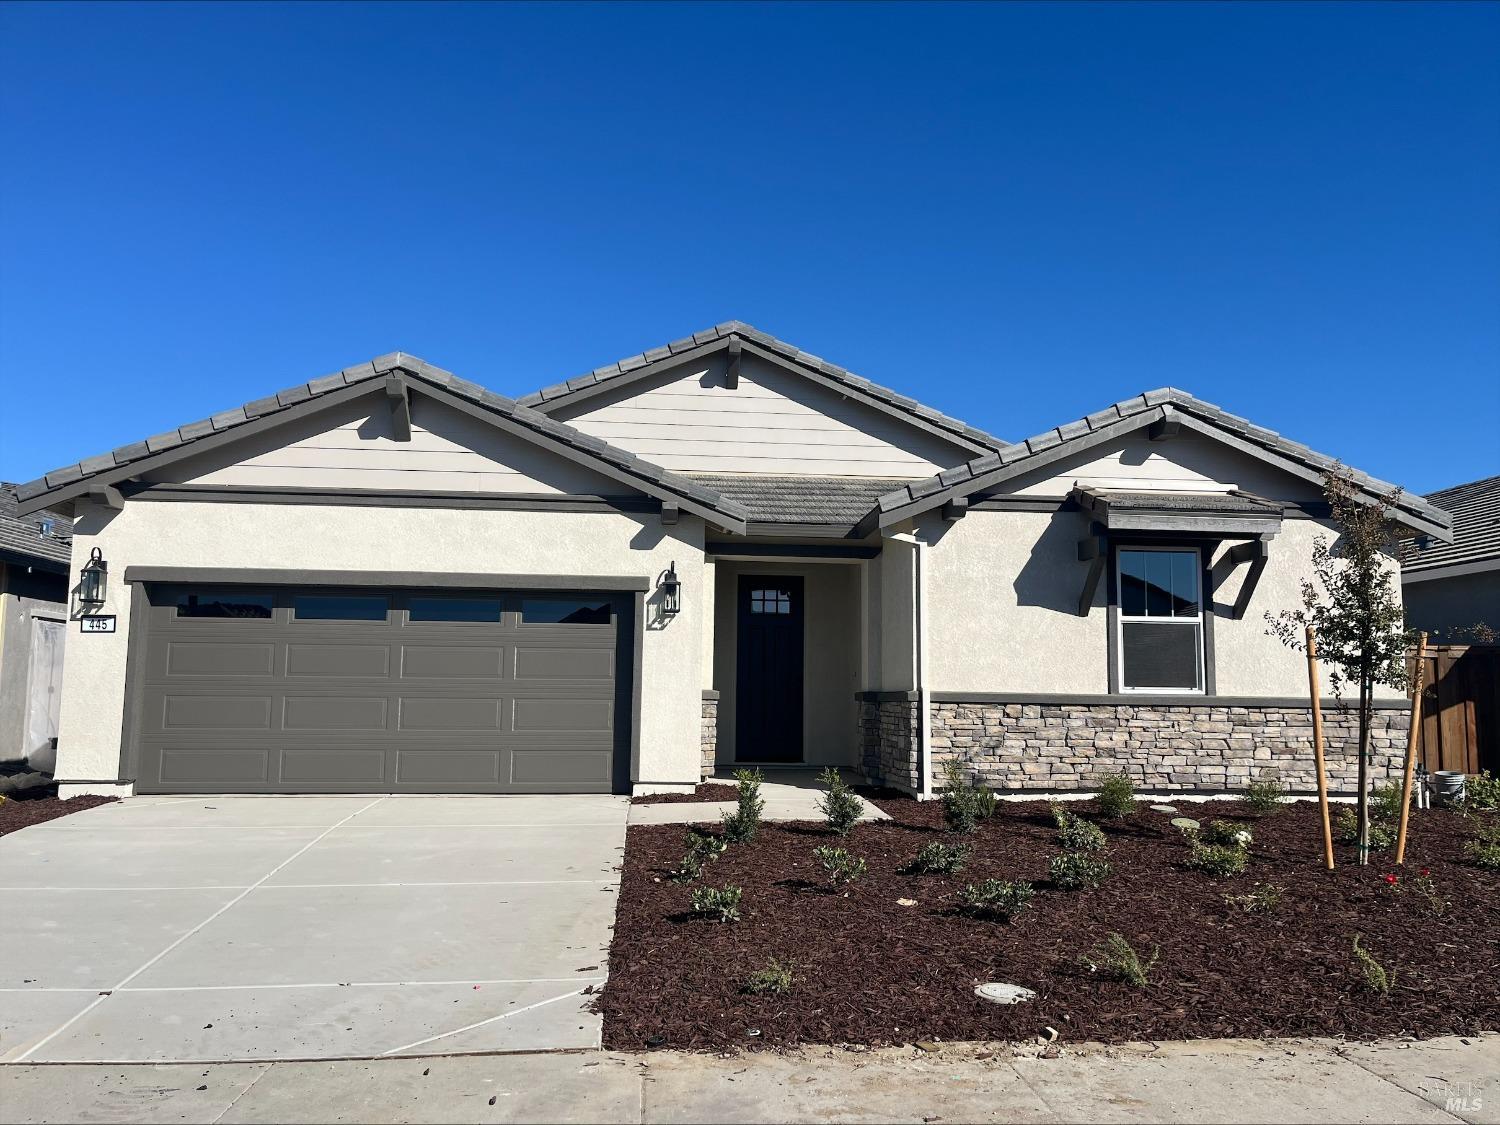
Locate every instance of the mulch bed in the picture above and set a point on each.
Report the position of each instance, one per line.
(36, 806)
(708, 791)
(871, 971)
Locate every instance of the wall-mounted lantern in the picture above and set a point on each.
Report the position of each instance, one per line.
(671, 591)
(93, 581)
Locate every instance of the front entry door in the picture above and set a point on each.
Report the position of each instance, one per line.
(768, 681)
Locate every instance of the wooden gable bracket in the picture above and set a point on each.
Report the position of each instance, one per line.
(107, 496)
(670, 513)
(732, 378)
(1169, 425)
(399, 397)
(1256, 552)
(1094, 550)
(955, 509)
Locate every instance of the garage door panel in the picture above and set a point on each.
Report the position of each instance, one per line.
(558, 767)
(330, 765)
(215, 712)
(563, 715)
(334, 713)
(569, 664)
(449, 714)
(449, 767)
(217, 658)
(454, 662)
(307, 660)
(213, 766)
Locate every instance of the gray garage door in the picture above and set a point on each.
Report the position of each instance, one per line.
(322, 690)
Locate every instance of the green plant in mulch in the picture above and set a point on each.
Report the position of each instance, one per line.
(1115, 796)
(1219, 860)
(702, 849)
(1076, 871)
(719, 903)
(1483, 846)
(1376, 977)
(1118, 958)
(840, 806)
(1482, 791)
(773, 978)
(1264, 899)
(841, 867)
(965, 801)
(1075, 833)
(1346, 830)
(1225, 832)
(996, 899)
(1264, 795)
(741, 825)
(938, 858)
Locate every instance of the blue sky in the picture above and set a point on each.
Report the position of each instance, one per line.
(1017, 213)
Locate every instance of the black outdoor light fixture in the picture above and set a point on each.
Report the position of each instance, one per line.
(93, 580)
(671, 591)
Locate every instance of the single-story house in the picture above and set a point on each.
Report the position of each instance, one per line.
(1452, 590)
(34, 580)
(723, 550)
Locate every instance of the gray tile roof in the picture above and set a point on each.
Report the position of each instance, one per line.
(833, 501)
(598, 449)
(22, 535)
(1230, 503)
(790, 352)
(1012, 460)
(1475, 508)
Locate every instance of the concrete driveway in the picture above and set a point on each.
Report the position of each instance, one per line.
(174, 929)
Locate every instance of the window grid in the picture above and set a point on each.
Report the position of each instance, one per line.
(770, 601)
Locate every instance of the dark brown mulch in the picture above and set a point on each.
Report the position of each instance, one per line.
(708, 791)
(871, 971)
(36, 806)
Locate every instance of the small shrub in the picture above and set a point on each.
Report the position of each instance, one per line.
(1115, 796)
(996, 899)
(965, 802)
(1484, 846)
(1264, 795)
(741, 825)
(722, 903)
(1385, 803)
(1075, 833)
(702, 849)
(1225, 833)
(842, 868)
(1262, 900)
(1482, 791)
(1219, 860)
(1346, 828)
(1376, 977)
(938, 858)
(1119, 958)
(1075, 871)
(1424, 887)
(839, 806)
(773, 978)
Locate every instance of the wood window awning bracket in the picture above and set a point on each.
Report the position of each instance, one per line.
(1256, 552)
(399, 397)
(1094, 550)
(1167, 426)
(670, 513)
(732, 376)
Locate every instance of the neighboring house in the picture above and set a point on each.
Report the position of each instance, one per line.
(34, 579)
(724, 550)
(1452, 589)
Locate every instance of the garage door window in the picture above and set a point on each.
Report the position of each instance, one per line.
(453, 609)
(223, 603)
(564, 611)
(339, 607)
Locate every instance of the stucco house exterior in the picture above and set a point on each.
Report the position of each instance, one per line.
(1451, 589)
(723, 550)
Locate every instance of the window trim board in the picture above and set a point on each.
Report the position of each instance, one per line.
(1207, 611)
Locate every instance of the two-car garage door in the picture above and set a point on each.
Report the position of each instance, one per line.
(322, 689)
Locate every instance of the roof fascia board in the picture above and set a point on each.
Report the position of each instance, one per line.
(575, 395)
(1451, 570)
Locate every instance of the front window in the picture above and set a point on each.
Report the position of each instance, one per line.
(1161, 620)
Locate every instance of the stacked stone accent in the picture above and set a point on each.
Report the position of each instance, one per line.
(710, 736)
(889, 736)
(1207, 747)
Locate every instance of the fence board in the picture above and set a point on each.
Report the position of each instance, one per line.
(1461, 708)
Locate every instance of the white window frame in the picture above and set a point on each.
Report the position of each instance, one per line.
(1187, 622)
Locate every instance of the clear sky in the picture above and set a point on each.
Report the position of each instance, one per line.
(1016, 213)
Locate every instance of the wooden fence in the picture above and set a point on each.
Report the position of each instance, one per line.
(1461, 708)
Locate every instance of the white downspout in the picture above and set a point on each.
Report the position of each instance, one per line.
(919, 628)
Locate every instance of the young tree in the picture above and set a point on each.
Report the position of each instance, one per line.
(1352, 605)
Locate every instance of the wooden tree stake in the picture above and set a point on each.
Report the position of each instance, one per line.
(1411, 745)
(1317, 717)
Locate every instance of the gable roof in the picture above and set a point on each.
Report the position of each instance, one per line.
(66, 483)
(1126, 417)
(839, 502)
(1475, 508)
(643, 365)
(21, 538)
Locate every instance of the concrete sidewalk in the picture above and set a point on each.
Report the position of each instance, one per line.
(1441, 1080)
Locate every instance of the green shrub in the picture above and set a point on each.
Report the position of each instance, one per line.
(1075, 833)
(996, 899)
(842, 868)
(1376, 977)
(1075, 871)
(938, 858)
(1226, 833)
(1482, 791)
(1119, 958)
(741, 825)
(1346, 828)
(773, 978)
(1264, 795)
(722, 903)
(965, 801)
(1484, 846)
(839, 806)
(702, 849)
(1262, 900)
(1115, 796)
(1219, 860)
(1385, 803)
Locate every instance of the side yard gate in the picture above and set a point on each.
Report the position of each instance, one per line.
(1461, 708)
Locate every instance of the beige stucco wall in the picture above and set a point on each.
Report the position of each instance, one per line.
(417, 541)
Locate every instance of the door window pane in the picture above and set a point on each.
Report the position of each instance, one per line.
(223, 603)
(339, 607)
(453, 609)
(770, 601)
(564, 611)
